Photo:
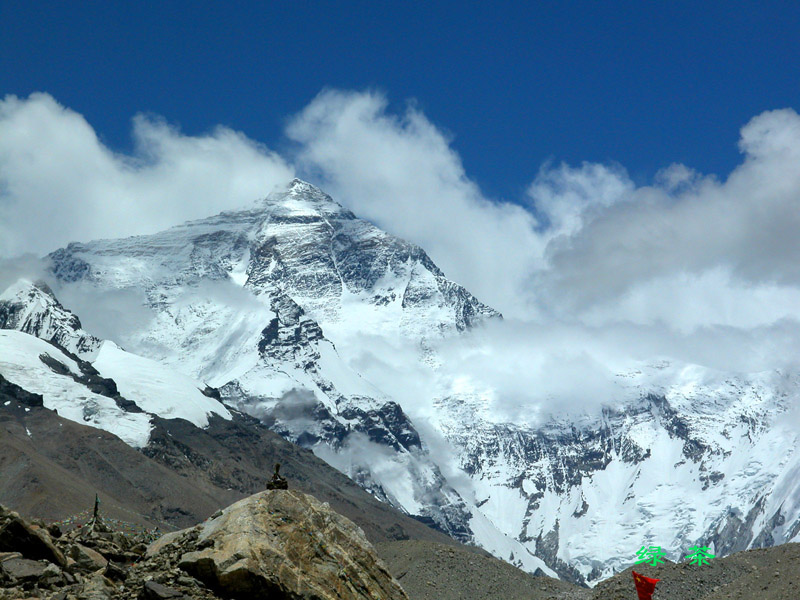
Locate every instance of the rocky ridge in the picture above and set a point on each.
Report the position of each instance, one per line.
(257, 546)
(280, 544)
(33, 308)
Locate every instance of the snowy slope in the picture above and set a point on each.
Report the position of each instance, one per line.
(694, 456)
(21, 363)
(156, 388)
(277, 306)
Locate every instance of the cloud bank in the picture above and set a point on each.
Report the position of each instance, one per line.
(586, 244)
(591, 270)
(400, 172)
(59, 183)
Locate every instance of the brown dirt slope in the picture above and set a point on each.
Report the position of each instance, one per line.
(181, 478)
(763, 574)
(50, 468)
(428, 571)
(431, 571)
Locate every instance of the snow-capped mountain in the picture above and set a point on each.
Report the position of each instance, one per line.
(241, 300)
(274, 306)
(693, 456)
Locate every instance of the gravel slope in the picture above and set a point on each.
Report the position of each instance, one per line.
(431, 571)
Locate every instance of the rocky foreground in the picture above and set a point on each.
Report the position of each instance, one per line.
(275, 544)
(282, 544)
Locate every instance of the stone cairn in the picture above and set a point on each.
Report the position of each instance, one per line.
(277, 482)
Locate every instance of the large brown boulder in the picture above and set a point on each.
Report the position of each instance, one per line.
(282, 544)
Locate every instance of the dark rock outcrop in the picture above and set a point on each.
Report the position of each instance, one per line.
(33, 543)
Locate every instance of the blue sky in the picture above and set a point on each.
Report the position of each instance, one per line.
(623, 178)
(641, 84)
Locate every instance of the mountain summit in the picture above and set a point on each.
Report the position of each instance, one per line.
(256, 301)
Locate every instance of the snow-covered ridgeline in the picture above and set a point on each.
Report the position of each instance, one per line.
(32, 308)
(694, 456)
(309, 261)
(29, 310)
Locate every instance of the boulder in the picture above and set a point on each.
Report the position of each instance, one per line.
(32, 542)
(86, 559)
(115, 572)
(22, 570)
(51, 577)
(97, 588)
(282, 544)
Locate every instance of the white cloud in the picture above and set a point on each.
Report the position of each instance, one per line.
(689, 251)
(592, 270)
(598, 272)
(695, 251)
(400, 172)
(568, 197)
(60, 183)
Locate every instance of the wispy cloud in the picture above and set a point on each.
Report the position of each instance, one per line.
(60, 183)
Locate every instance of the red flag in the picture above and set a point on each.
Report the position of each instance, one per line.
(644, 586)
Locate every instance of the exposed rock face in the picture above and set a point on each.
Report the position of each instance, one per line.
(283, 544)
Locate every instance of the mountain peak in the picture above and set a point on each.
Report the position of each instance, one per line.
(302, 199)
(299, 186)
(23, 288)
(31, 307)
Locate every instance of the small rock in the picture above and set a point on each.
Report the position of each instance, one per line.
(51, 576)
(54, 530)
(155, 591)
(97, 588)
(116, 572)
(139, 549)
(187, 581)
(7, 555)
